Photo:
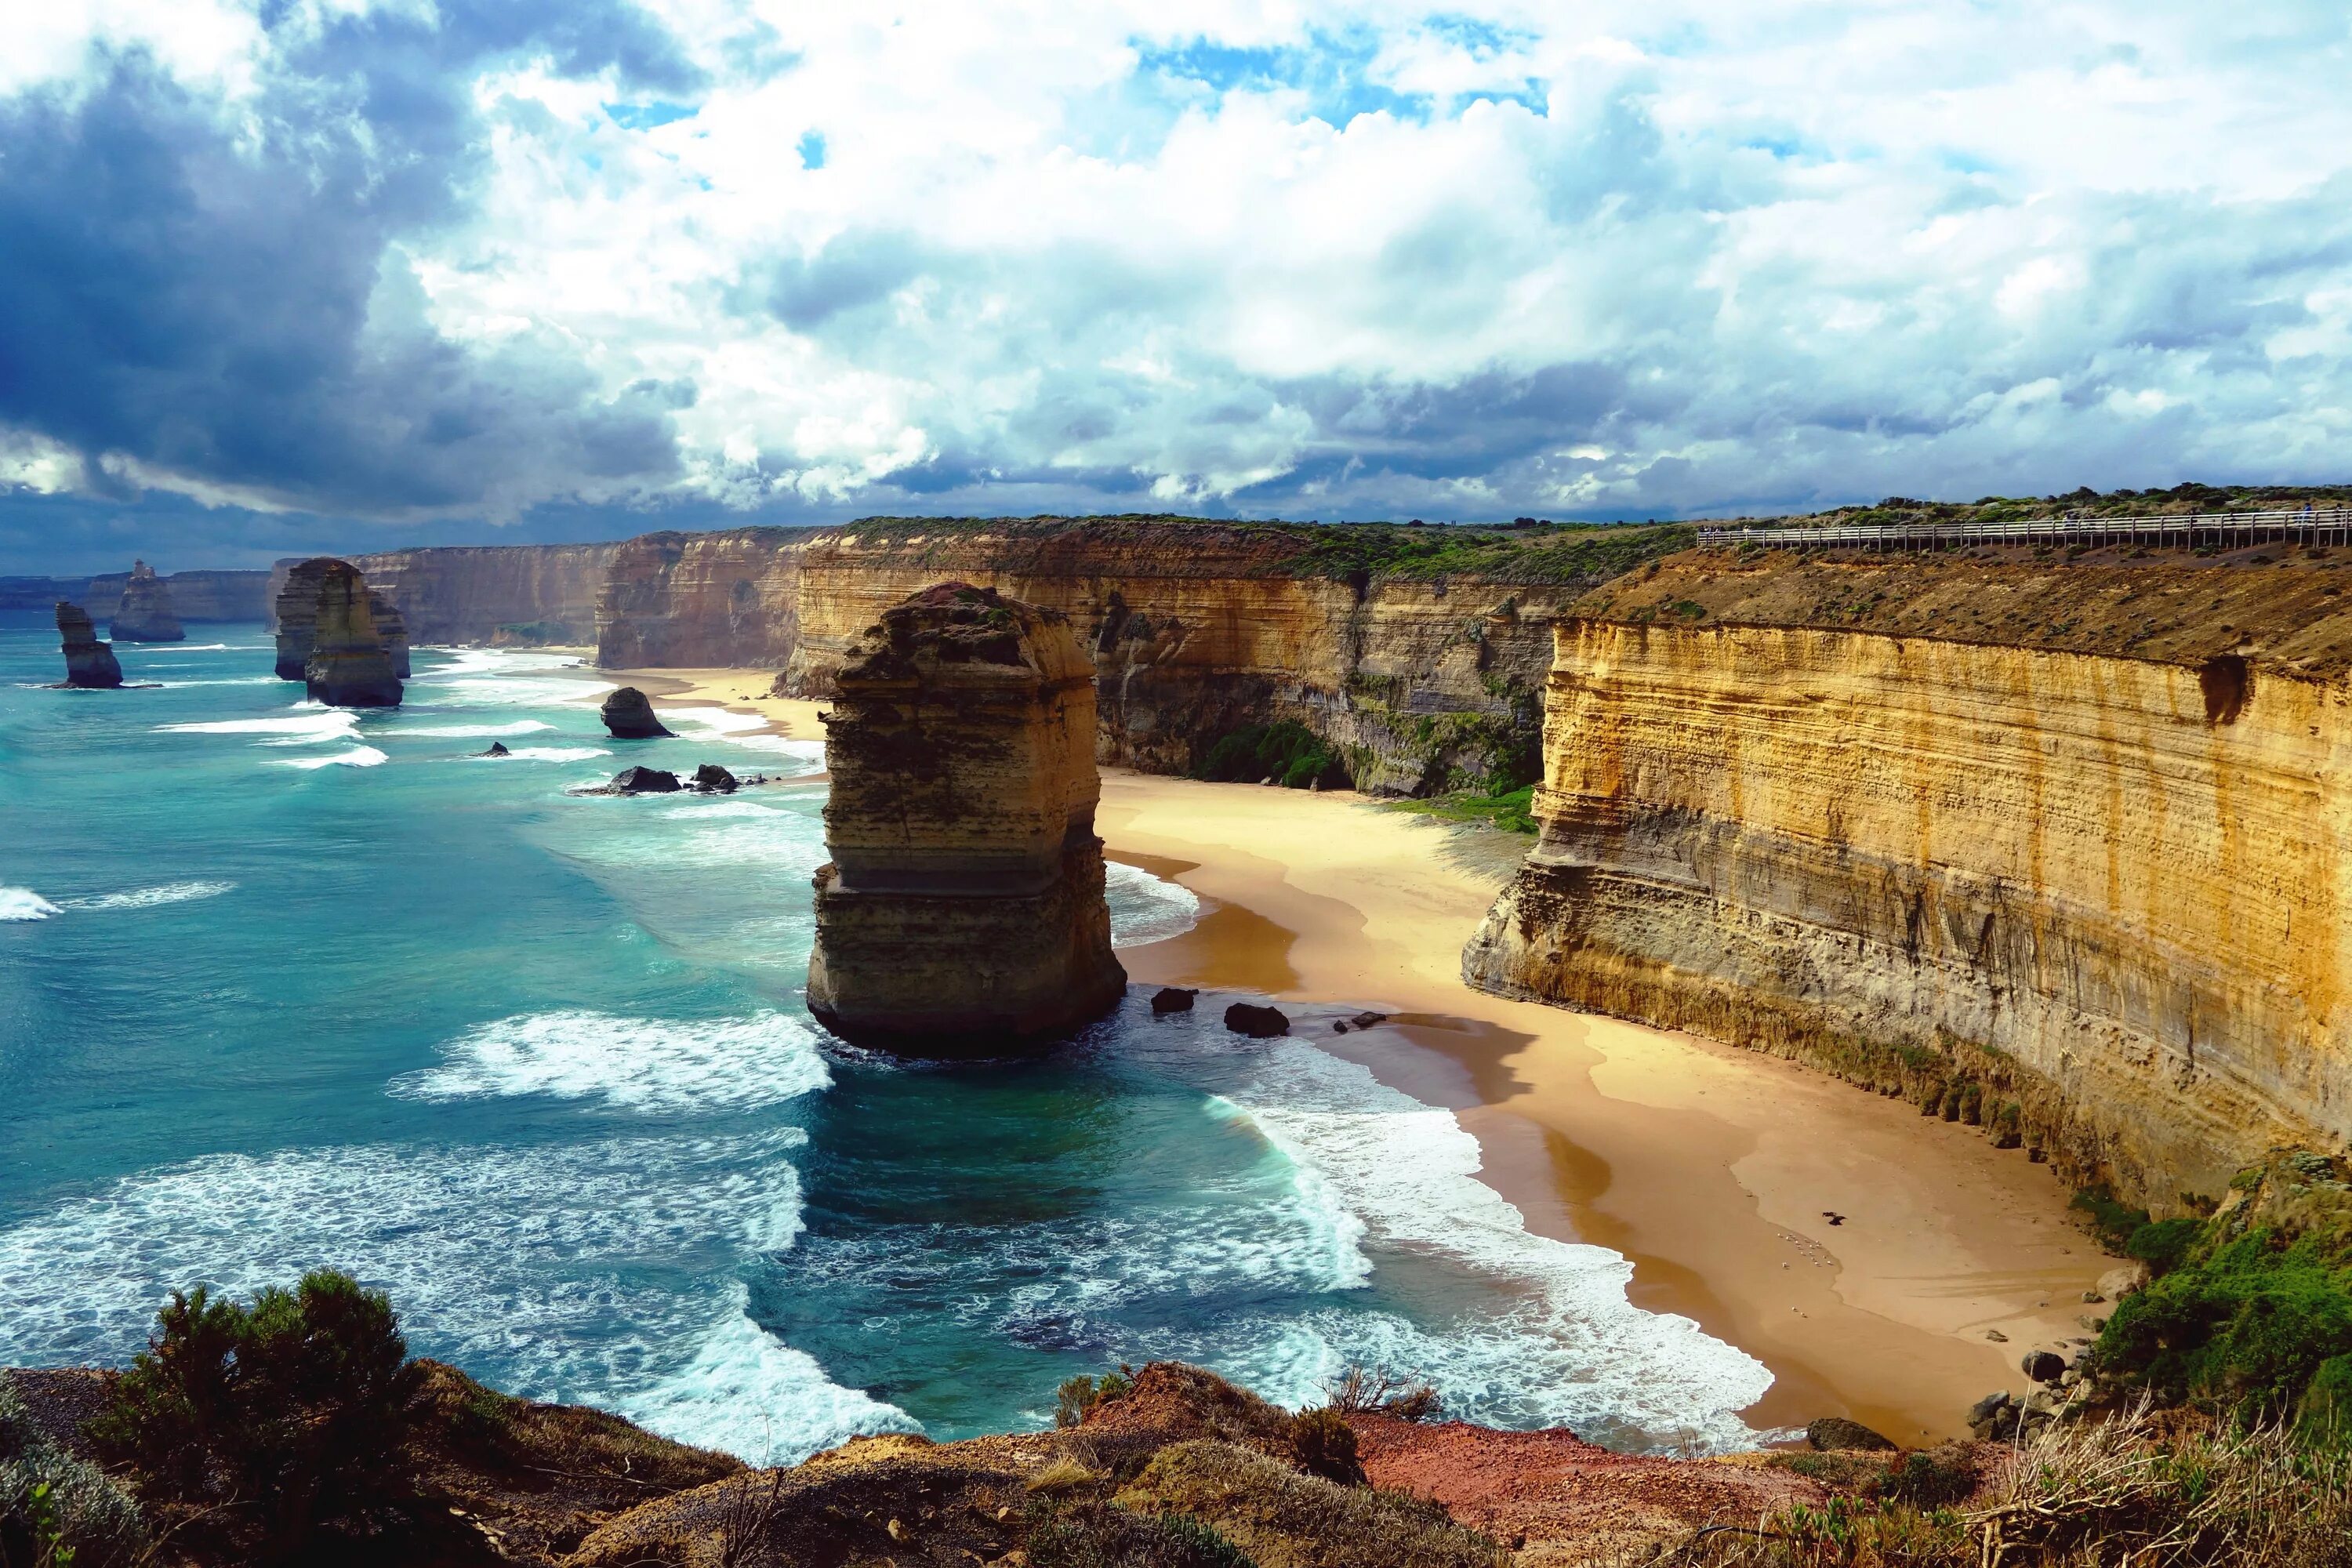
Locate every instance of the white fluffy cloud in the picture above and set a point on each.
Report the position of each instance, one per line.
(1313, 259)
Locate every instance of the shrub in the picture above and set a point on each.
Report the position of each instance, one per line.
(2114, 1222)
(1325, 1445)
(2164, 1245)
(1285, 1519)
(2325, 1417)
(55, 1509)
(297, 1399)
(1090, 1534)
(2245, 1330)
(1077, 1398)
(1380, 1392)
(1286, 751)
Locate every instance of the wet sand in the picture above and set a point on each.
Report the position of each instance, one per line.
(1714, 1170)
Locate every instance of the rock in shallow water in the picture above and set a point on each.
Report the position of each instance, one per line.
(715, 780)
(1257, 1023)
(645, 781)
(1172, 999)
(89, 663)
(628, 713)
(963, 908)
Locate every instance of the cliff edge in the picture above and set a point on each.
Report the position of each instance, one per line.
(2057, 844)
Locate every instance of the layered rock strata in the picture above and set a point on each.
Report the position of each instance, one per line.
(393, 627)
(144, 613)
(294, 611)
(350, 664)
(89, 663)
(963, 910)
(2078, 881)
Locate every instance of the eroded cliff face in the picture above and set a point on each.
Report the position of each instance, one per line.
(2099, 888)
(350, 662)
(518, 595)
(963, 907)
(144, 613)
(1194, 630)
(89, 663)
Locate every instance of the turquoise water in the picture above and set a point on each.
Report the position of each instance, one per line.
(283, 987)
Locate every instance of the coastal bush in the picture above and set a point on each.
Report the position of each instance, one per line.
(294, 1403)
(1379, 1392)
(2243, 1331)
(57, 1511)
(1076, 1397)
(1513, 811)
(1091, 1533)
(1324, 1445)
(1286, 751)
(2140, 1488)
(1285, 1519)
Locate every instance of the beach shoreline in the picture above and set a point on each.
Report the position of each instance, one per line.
(1715, 1171)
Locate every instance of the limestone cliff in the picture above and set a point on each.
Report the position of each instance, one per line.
(294, 611)
(1424, 676)
(518, 595)
(2057, 845)
(89, 663)
(144, 612)
(963, 907)
(394, 628)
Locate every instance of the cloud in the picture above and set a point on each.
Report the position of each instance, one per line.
(462, 264)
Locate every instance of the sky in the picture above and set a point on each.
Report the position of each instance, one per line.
(283, 275)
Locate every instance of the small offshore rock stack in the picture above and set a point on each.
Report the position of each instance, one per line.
(351, 665)
(144, 613)
(963, 908)
(89, 663)
(628, 714)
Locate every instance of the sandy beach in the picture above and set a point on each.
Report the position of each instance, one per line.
(1714, 1170)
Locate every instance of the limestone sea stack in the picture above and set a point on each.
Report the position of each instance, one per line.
(144, 613)
(297, 613)
(389, 622)
(89, 663)
(963, 908)
(628, 713)
(351, 665)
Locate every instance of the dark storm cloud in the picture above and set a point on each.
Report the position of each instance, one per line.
(206, 292)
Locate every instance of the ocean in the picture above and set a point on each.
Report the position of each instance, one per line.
(283, 986)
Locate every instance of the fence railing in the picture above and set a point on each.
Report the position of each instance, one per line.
(2218, 530)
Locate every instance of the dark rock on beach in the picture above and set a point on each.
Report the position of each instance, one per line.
(712, 779)
(629, 714)
(2043, 1366)
(89, 663)
(1172, 999)
(1836, 1435)
(1257, 1023)
(645, 781)
(144, 613)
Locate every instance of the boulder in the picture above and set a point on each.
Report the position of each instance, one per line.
(2043, 1366)
(645, 781)
(89, 663)
(629, 714)
(144, 612)
(712, 779)
(2117, 1283)
(498, 749)
(1172, 999)
(1365, 1020)
(1837, 1435)
(1257, 1023)
(963, 910)
(349, 665)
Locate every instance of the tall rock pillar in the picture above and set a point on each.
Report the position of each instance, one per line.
(963, 908)
(351, 664)
(89, 663)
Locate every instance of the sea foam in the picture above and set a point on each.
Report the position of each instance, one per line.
(603, 1273)
(634, 1064)
(1558, 1343)
(297, 729)
(476, 731)
(149, 898)
(24, 904)
(1145, 908)
(357, 757)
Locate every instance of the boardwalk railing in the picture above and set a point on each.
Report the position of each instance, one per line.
(2216, 530)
